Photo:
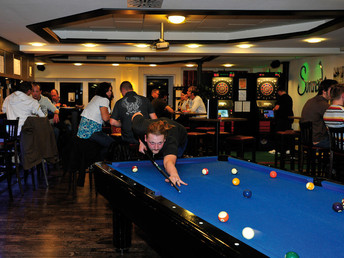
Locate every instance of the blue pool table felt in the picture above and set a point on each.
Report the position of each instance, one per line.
(284, 215)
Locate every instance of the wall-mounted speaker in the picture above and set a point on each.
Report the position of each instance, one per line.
(275, 64)
(41, 67)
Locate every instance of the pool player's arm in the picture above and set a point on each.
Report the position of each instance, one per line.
(170, 167)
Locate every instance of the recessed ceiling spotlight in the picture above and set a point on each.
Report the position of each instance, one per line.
(40, 63)
(314, 40)
(78, 64)
(176, 19)
(193, 45)
(227, 65)
(245, 45)
(141, 45)
(89, 45)
(37, 44)
(190, 65)
(152, 65)
(115, 64)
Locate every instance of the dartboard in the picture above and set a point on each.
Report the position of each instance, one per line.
(222, 88)
(266, 89)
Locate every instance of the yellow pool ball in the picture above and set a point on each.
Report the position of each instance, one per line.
(235, 181)
(310, 186)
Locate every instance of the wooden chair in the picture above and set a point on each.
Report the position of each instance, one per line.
(286, 140)
(336, 146)
(315, 155)
(240, 141)
(8, 150)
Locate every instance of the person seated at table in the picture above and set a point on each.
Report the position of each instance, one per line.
(46, 104)
(21, 104)
(126, 107)
(314, 110)
(334, 115)
(183, 102)
(160, 106)
(55, 98)
(163, 137)
(96, 112)
(154, 94)
(195, 102)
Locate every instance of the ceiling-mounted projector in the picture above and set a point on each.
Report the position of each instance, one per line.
(161, 44)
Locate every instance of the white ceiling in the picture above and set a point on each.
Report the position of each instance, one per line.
(16, 15)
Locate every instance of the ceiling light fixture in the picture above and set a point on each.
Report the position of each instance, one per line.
(314, 40)
(40, 63)
(37, 44)
(115, 64)
(227, 65)
(176, 19)
(193, 45)
(142, 45)
(244, 45)
(78, 64)
(190, 65)
(153, 65)
(89, 45)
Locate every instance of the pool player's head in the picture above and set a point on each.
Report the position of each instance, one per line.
(156, 135)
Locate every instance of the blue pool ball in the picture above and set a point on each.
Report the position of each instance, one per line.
(247, 193)
(337, 206)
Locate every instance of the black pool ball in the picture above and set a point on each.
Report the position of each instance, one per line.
(337, 206)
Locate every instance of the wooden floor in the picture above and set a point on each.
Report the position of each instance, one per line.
(51, 222)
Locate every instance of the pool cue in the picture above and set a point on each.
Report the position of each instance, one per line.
(161, 171)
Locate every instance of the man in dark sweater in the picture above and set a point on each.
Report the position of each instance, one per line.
(283, 111)
(163, 137)
(126, 107)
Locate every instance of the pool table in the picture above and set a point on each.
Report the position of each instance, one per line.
(283, 213)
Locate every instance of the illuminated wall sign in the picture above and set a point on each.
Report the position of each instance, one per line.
(309, 86)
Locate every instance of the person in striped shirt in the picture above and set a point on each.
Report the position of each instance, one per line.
(334, 115)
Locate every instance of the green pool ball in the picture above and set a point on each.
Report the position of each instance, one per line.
(291, 255)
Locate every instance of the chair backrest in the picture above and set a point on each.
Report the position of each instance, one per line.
(306, 133)
(8, 130)
(337, 139)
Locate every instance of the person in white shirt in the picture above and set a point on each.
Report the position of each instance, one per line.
(45, 103)
(21, 104)
(195, 102)
(96, 112)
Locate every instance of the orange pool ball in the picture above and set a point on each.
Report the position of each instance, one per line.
(310, 186)
(273, 174)
(223, 216)
(235, 181)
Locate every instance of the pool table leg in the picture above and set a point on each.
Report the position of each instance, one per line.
(122, 228)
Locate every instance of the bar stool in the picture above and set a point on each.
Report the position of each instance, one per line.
(196, 140)
(316, 156)
(211, 138)
(240, 141)
(286, 141)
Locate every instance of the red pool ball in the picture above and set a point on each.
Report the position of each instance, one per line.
(205, 171)
(223, 216)
(273, 174)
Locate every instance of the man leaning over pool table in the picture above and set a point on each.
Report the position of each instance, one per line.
(162, 136)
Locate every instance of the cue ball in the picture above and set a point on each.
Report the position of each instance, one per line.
(337, 206)
(310, 186)
(273, 174)
(205, 171)
(247, 193)
(223, 216)
(248, 233)
(134, 169)
(291, 255)
(234, 171)
(235, 181)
